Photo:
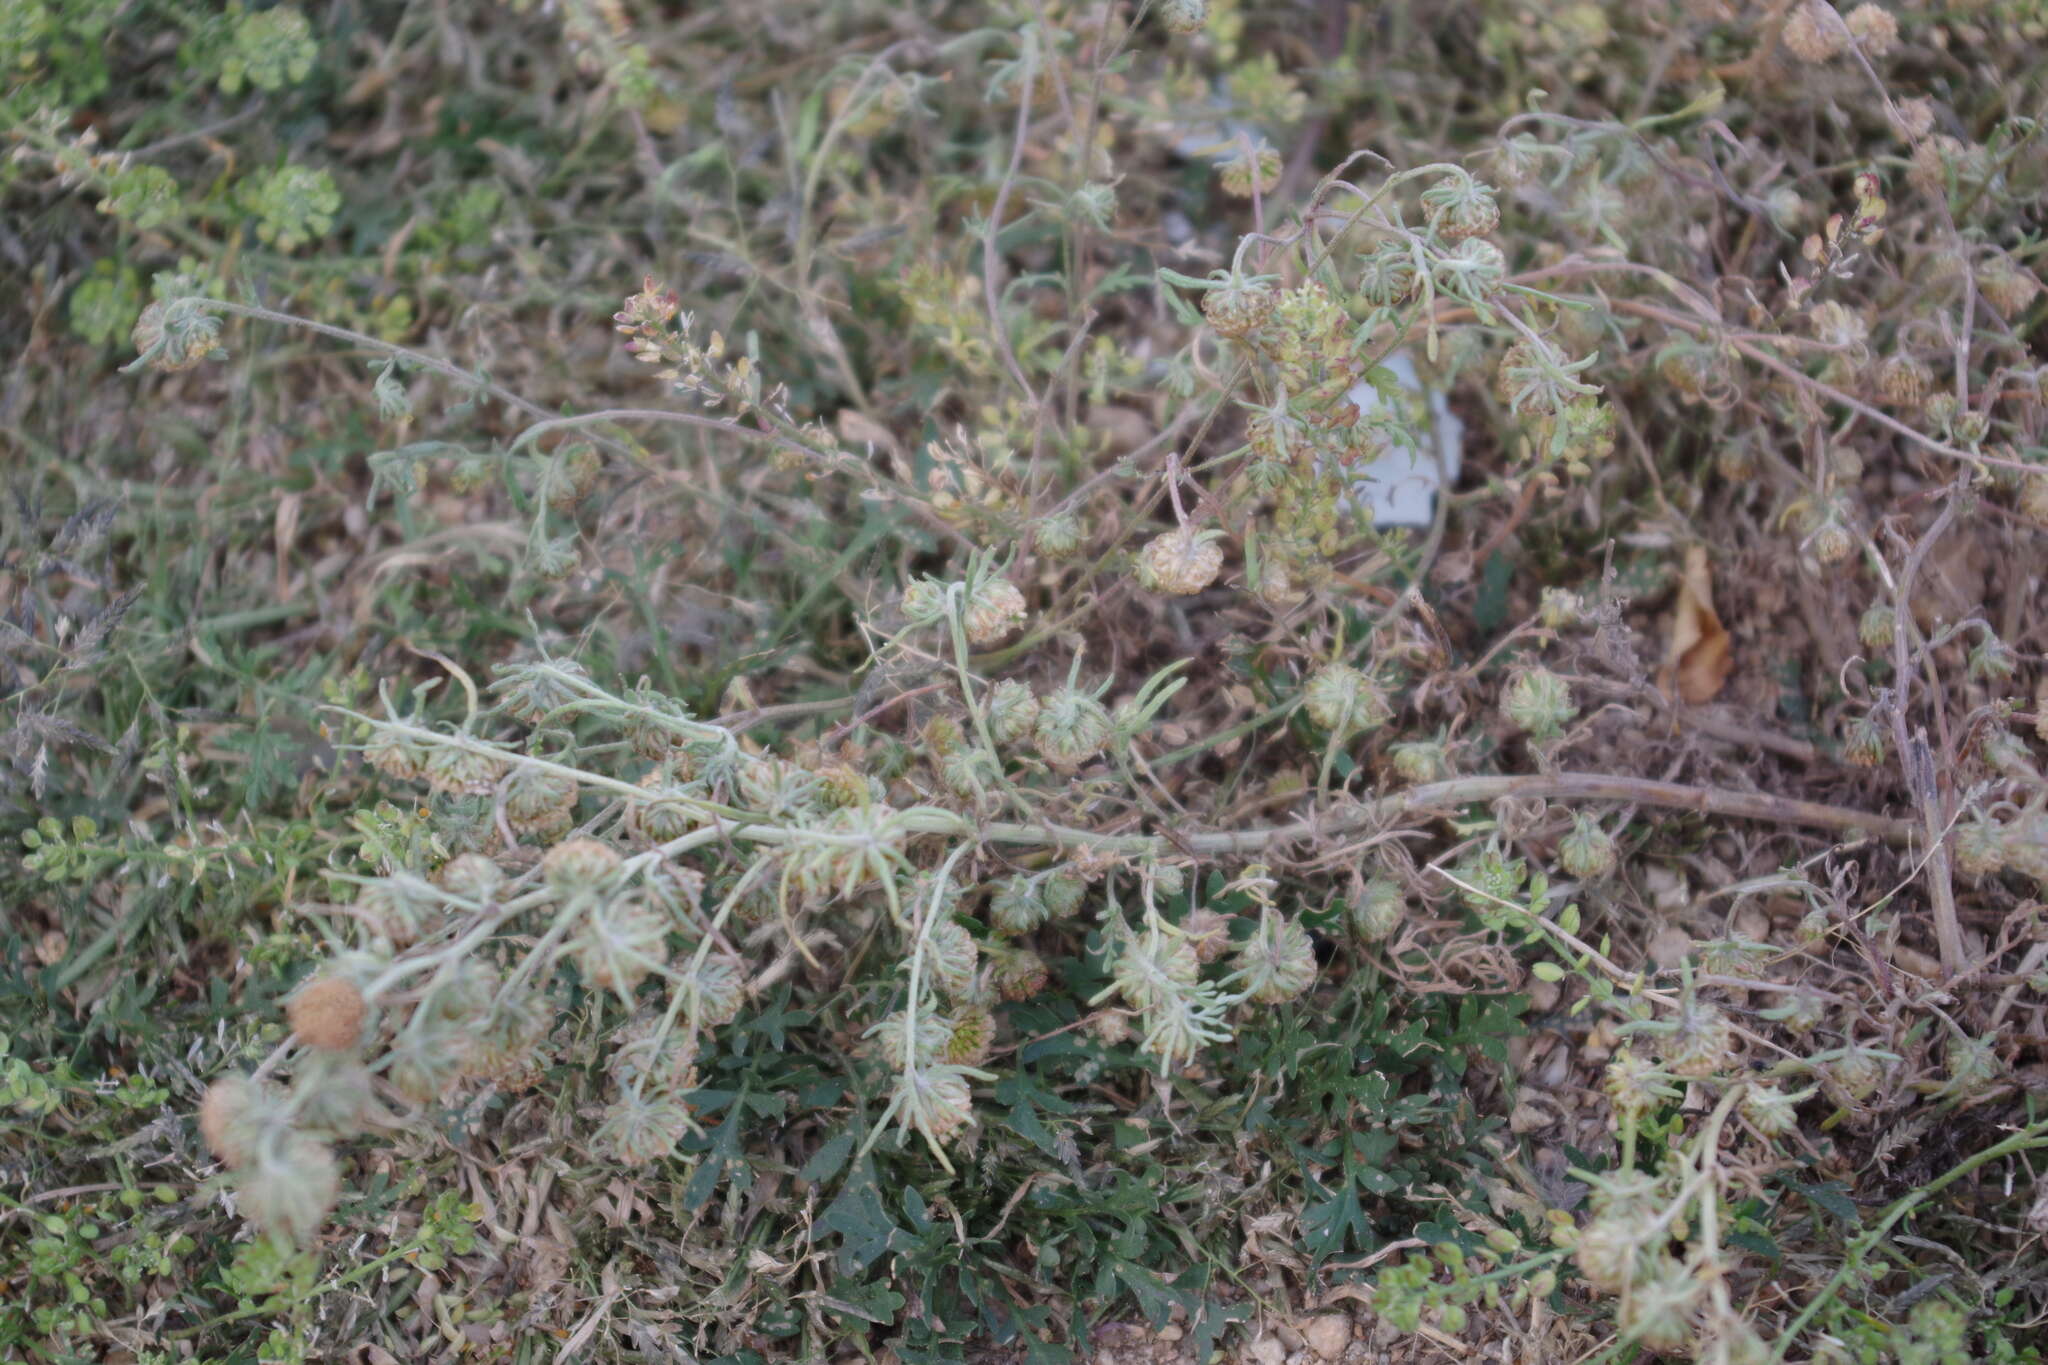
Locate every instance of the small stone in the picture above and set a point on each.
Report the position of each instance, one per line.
(1328, 1334)
(1264, 1351)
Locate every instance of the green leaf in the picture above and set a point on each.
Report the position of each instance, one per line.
(826, 1161)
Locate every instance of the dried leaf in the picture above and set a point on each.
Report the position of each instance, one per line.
(1697, 658)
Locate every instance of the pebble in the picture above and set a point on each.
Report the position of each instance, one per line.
(1328, 1334)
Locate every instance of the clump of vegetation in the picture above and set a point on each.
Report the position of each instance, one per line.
(746, 686)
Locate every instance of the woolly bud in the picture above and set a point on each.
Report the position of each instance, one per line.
(1345, 701)
(1180, 562)
(951, 956)
(1990, 660)
(1012, 711)
(571, 475)
(1379, 910)
(1972, 1065)
(1072, 728)
(1278, 962)
(994, 609)
(288, 1189)
(396, 756)
(1877, 627)
(332, 1095)
(1856, 1073)
(327, 1013)
(1978, 848)
(1184, 16)
(1588, 852)
(578, 866)
(1538, 702)
(462, 771)
(1016, 907)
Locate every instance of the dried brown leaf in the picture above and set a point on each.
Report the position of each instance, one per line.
(1698, 652)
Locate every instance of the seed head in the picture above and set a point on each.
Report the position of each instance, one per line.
(1016, 907)
(1863, 744)
(327, 1013)
(539, 802)
(1020, 974)
(618, 943)
(179, 331)
(1208, 932)
(1903, 380)
(1608, 1252)
(463, 772)
(1770, 1110)
(1012, 711)
(2007, 285)
(1702, 1044)
(1635, 1085)
(644, 1129)
(951, 955)
(1242, 172)
(289, 1188)
(532, 692)
(231, 1118)
(972, 1034)
(1058, 535)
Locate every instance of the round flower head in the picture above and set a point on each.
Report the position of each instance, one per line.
(463, 771)
(233, 1117)
(1072, 728)
(578, 866)
(972, 1033)
(1345, 701)
(1180, 562)
(1063, 890)
(1635, 1085)
(1856, 1073)
(1058, 535)
(994, 609)
(1873, 28)
(1379, 910)
(179, 332)
(1278, 962)
(1012, 711)
(1539, 702)
(1702, 1044)
(1243, 173)
(1608, 1253)
(1588, 852)
(327, 1013)
(885, 1041)
(472, 876)
(619, 943)
(1904, 380)
(289, 1187)
(1209, 932)
(719, 985)
(2007, 285)
(333, 1096)
(666, 813)
(1020, 974)
(396, 756)
(539, 802)
(1813, 33)
(951, 955)
(1184, 16)
(533, 691)
(1770, 1110)
(641, 1129)
(1239, 307)
(1016, 907)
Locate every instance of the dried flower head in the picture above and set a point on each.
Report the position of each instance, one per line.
(578, 866)
(1344, 700)
(1278, 962)
(1873, 28)
(327, 1013)
(287, 1189)
(1072, 728)
(1539, 702)
(1813, 32)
